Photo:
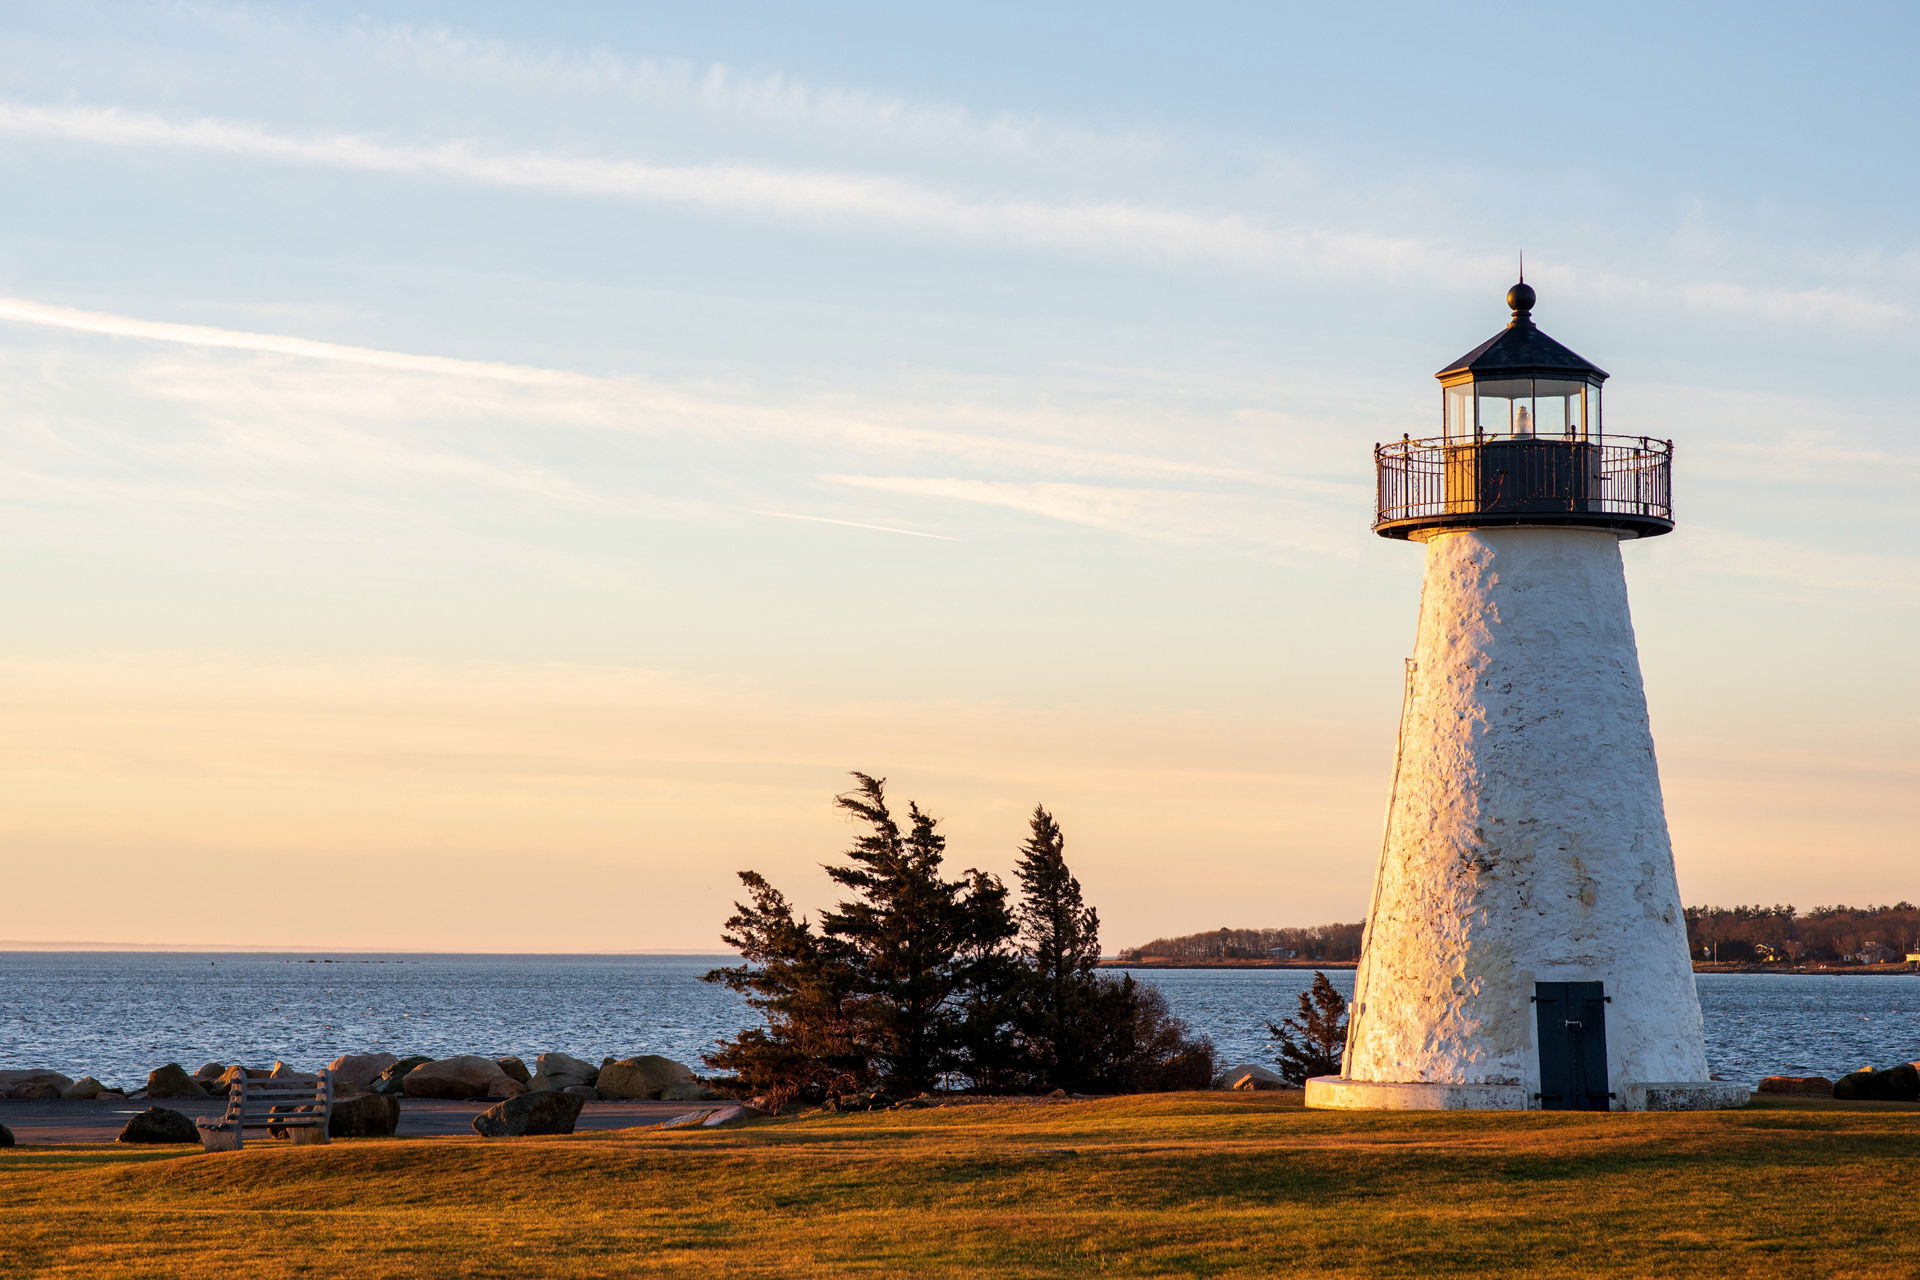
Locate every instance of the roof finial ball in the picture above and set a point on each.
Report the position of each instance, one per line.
(1520, 298)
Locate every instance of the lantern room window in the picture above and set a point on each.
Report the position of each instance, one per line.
(1522, 408)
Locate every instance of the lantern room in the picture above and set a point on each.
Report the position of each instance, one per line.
(1522, 442)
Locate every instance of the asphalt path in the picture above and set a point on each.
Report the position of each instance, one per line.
(53, 1123)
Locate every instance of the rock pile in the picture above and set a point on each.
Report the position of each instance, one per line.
(1895, 1084)
(464, 1077)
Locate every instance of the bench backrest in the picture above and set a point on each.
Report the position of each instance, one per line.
(289, 1100)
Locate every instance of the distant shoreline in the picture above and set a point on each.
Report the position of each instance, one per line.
(1899, 969)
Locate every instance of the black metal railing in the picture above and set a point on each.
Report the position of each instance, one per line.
(1625, 481)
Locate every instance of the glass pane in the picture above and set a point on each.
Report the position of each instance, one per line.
(1459, 417)
(1561, 404)
(1506, 407)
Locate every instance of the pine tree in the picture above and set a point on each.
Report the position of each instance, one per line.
(923, 948)
(1064, 1011)
(1311, 1043)
(802, 984)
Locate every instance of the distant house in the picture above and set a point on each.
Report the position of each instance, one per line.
(1281, 953)
(1876, 953)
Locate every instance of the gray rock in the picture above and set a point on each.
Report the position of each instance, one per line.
(1797, 1086)
(515, 1069)
(565, 1064)
(691, 1091)
(366, 1115)
(210, 1071)
(172, 1081)
(6, 1136)
(34, 1091)
(643, 1077)
(584, 1092)
(1251, 1077)
(85, 1089)
(1895, 1084)
(690, 1120)
(392, 1080)
(731, 1115)
(464, 1077)
(30, 1075)
(157, 1124)
(356, 1072)
(529, 1115)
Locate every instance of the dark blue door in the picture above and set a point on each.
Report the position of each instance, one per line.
(1573, 1046)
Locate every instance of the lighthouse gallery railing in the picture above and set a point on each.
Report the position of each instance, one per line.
(1516, 476)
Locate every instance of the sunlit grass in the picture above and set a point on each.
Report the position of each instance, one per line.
(1180, 1185)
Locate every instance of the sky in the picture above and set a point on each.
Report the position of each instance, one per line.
(505, 464)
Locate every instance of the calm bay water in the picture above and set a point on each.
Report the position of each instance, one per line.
(117, 1015)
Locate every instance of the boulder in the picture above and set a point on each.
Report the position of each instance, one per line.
(210, 1071)
(691, 1091)
(1797, 1086)
(224, 1081)
(870, 1100)
(1895, 1084)
(85, 1089)
(515, 1069)
(172, 1081)
(34, 1091)
(584, 1092)
(30, 1075)
(1253, 1078)
(640, 1078)
(529, 1115)
(731, 1115)
(6, 1136)
(365, 1115)
(356, 1072)
(565, 1064)
(392, 1079)
(463, 1077)
(157, 1124)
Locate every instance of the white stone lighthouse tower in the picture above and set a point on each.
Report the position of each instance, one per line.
(1526, 946)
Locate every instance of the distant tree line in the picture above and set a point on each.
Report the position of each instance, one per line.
(1782, 933)
(915, 981)
(1319, 942)
(1776, 934)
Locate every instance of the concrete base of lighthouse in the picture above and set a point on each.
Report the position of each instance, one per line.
(1335, 1093)
(1526, 946)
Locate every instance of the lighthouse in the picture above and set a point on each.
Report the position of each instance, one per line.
(1526, 947)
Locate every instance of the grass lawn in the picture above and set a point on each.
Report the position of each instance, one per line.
(1241, 1185)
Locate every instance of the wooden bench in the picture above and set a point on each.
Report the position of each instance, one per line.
(296, 1104)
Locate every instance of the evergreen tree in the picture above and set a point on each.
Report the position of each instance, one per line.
(802, 984)
(1311, 1043)
(923, 948)
(1065, 1014)
(898, 987)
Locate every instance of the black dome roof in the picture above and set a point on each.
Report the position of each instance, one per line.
(1521, 350)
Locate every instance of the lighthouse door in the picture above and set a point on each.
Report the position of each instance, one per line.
(1573, 1046)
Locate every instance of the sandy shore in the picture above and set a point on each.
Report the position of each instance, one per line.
(49, 1123)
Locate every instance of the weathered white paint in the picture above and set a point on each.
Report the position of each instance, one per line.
(1526, 838)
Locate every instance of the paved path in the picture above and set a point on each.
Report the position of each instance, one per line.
(44, 1123)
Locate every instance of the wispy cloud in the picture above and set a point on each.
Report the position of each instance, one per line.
(1156, 235)
(855, 524)
(628, 405)
(1177, 515)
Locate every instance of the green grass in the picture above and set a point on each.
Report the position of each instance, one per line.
(1176, 1185)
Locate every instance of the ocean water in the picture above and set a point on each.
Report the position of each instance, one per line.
(117, 1015)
